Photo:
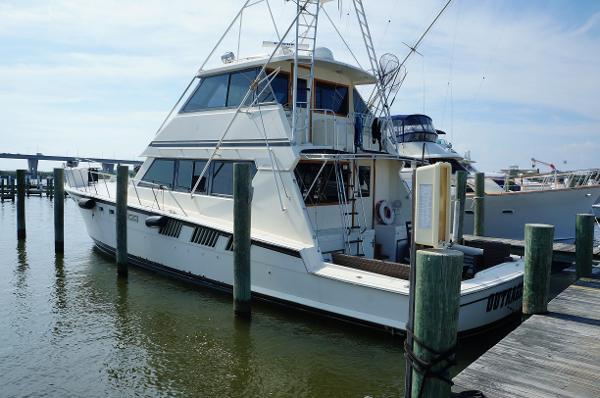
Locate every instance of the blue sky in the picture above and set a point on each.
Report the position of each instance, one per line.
(508, 80)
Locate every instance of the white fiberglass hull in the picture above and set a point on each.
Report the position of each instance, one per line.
(280, 275)
(507, 213)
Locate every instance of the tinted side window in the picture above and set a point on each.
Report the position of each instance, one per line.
(198, 167)
(333, 97)
(222, 180)
(161, 172)
(238, 86)
(211, 93)
(302, 93)
(184, 175)
(280, 88)
(359, 104)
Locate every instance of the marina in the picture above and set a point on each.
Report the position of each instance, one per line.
(288, 229)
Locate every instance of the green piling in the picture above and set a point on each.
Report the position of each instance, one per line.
(478, 205)
(21, 204)
(59, 210)
(121, 215)
(437, 296)
(584, 244)
(242, 200)
(539, 239)
(461, 193)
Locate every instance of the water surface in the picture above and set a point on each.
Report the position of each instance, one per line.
(70, 328)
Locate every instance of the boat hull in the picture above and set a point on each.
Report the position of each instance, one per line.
(507, 213)
(281, 276)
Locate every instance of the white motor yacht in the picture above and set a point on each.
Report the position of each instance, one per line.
(555, 200)
(319, 241)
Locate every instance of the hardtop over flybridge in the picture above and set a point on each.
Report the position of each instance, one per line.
(331, 218)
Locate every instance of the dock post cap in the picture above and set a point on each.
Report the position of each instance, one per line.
(534, 225)
(440, 252)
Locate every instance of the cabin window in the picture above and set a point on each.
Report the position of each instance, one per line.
(211, 93)
(227, 90)
(332, 97)
(161, 172)
(222, 178)
(324, 184)
(301, 96)
(360, 106)
(279, 84)
(364, 180)
(198, 168)
(238, 87)
(182, 175)
(183, 179)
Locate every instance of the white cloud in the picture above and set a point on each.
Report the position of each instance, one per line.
(83, 74)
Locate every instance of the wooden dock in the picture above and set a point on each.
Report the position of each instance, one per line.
(552, 355)
(563, 252)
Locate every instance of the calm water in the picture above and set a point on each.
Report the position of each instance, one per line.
(70, 328)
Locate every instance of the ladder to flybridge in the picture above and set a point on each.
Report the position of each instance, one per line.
(304, 56)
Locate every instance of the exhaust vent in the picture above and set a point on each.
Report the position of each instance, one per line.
(171, 228)
(205, 236)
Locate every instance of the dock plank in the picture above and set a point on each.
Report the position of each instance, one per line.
(551, 355)
(562, 252)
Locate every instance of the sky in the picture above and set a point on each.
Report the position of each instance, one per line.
(507, 80)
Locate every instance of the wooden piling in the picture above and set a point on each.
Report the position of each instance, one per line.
(437, 295)
(539, 239)
(584, 244)
(59, 210)
(461, 192)
(121, 215)
(478, 205)
(1, 188)
(21, 204)
(12, 188)
(242, 200)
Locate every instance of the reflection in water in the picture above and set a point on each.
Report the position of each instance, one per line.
(22, 267)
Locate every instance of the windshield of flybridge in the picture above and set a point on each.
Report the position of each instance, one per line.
(411, 128)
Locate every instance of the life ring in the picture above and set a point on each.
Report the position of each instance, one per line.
(385, 213)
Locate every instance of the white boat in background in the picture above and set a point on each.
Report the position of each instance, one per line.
(554, 198)
(318, 239)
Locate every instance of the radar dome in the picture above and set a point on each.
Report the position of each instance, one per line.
(323, 53)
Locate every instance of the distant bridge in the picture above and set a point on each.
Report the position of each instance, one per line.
(108, 165)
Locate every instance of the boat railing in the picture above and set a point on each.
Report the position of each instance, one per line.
(557, 180)
(95, 182)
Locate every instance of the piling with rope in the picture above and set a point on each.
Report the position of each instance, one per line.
(121, 222)
(478, 205)
(59, 209)
(437, 296)
(584, 244)
(242, 200)
(539, 239)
